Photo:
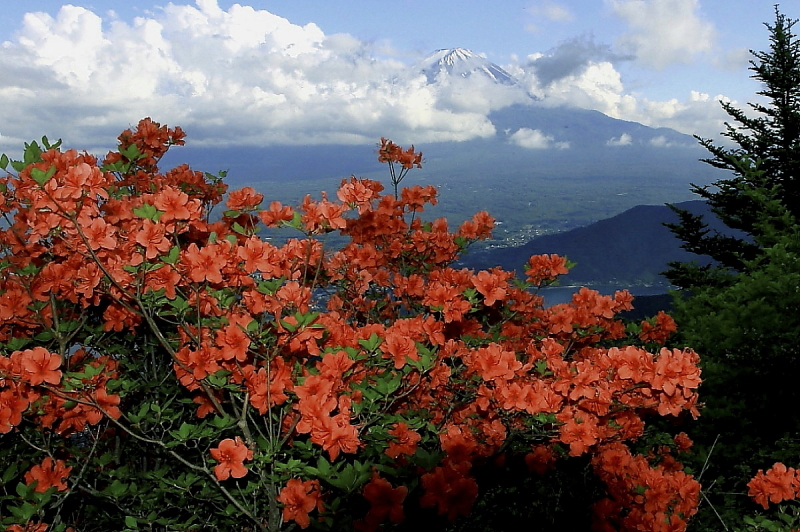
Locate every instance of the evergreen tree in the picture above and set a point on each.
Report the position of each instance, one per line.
(767, 158)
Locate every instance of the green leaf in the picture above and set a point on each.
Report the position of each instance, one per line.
(17, 344)
(148, 212)
(42, 177)
(24, 490)
(179, 304)
(184, 431)
(131, 522)
(218, 379)
(3, 161)
(269, 287)
(24, 512)
(32, 154)
(296, 222)
(131, 153)
(48, 146)
(10, 472)
(116, 489)
(323, 466)
(372, 343)
(172, 256)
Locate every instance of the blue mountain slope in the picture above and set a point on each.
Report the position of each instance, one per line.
(628, 249)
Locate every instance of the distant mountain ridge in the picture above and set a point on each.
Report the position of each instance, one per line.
(632, 248)
(532, 166)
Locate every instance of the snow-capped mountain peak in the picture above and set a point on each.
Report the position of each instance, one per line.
(464, 63)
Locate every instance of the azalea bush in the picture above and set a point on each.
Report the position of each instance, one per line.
(164, 367)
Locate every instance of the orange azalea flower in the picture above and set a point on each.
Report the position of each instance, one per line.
(152, 237)
(540, 460)
(276, 215)
(492, 285)
(579, 431)
(40, 366)
(406, 443)
(30, 527)
(14, 303)
(100, 234)
(479, 227)
(562, 317)
(384, 500)
(233, 340)
(451, 489)
(48, 474)
(513, 396)
(683, 442)
(205, 264)
(358, 192)
(663, 328)
(244, 199)
(399, 348)
(493, 363)
(299, 498)
(12, 405)
(775, 486)
(543, 268)
(389, 152)
(108, 403)
(268, 388)
(259, 256)
(231, 455)
(336, 435)
(174, 203)
(416, 197)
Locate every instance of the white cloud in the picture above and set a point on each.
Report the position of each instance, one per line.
(622, 140)
(548, 10)
(599, 86)
(663, 32)
(248, 77)
(660, 142)
(240, 75)
(534, 139)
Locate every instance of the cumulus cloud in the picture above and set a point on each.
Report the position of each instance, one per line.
(571, 58)
(546, 9)
(599, 86)
(660, 142)
(663, 32)
(534, 139)
(241, 75)
(245, 76)
(622, 140)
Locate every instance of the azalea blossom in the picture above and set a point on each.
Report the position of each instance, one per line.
(231, 455)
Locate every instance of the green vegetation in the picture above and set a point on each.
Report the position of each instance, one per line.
(766, 160)
(743, 313)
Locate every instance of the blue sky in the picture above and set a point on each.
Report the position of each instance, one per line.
(290, 71)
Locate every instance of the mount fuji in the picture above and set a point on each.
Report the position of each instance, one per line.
(463, 63)
(538, 169)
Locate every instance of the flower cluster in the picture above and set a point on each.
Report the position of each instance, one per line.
(367, 371)
(658, 498)
(778, 484)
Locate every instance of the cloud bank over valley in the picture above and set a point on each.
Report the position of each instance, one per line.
(245, 76)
